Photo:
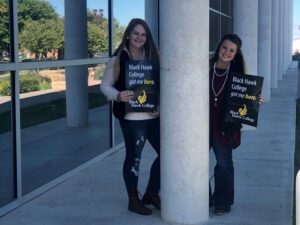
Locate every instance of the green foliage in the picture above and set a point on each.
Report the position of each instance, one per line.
(28, 82)
(32, 81)
(40, 37)
(4, 35)
(99, 72)
(97, 40)
(41, 30)
(5, 87)
(36, 10)
(28, 10)
(118, 33)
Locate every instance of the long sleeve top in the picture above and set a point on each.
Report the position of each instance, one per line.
(108, 88)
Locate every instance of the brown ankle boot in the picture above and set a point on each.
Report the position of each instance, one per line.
(136, 205)
(151, 198)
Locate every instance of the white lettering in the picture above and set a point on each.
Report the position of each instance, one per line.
(250, 82)
(238, 87)
(136, 74)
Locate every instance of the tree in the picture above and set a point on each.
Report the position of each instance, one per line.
(35, 10)
(4, 28)
(118, 33)
(97, 40)
(42, 37)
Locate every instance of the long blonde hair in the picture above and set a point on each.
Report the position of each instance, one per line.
(150, 48)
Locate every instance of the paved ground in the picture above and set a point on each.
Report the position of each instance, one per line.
(263, 168)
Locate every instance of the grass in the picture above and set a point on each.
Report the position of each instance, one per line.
(45, 112)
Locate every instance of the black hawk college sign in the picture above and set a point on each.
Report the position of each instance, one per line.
(243, 93)
(142, 77)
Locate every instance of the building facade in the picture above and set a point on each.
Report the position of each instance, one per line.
(46, 135)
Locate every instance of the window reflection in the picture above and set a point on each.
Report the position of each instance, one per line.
(97, 22)
(49, 146)
(220, 21)
(214, 30)
(215, 4)
(4, 32)
(134, 8)
(226, 7)
(6, 150)
(226, 25)
(41, 31)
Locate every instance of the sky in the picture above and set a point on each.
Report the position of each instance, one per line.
(124, 10)
(296, 24)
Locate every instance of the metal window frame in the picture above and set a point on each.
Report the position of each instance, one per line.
(14, 67)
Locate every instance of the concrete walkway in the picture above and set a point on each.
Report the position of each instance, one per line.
(263, 171)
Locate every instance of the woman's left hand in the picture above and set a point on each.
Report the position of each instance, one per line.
(155, 113)
(260, 99)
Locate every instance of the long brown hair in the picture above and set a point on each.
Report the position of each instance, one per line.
(238, 63)
(151, 51)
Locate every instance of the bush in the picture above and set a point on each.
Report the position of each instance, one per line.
(5, 87)
(28, 82)
(99, 72)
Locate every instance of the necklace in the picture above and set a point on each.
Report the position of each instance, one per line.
(216, 94)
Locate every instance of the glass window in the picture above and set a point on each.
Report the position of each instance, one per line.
(97, 18)
(225, 25)
(95, 77)
(7, 170)
(41, 30)
(4, 32)
(134, 9)
(214, 30)
(215, 4)
(50, 147)
(219, 23)
(226, 7)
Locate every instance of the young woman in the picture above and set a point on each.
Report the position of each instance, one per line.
(137, 44)
(224, 136)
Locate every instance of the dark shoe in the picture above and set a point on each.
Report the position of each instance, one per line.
(222, 211)
(211, 203)
(151, 198)
(136, 205)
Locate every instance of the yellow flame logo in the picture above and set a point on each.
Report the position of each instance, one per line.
(243, 111)
(142, 98)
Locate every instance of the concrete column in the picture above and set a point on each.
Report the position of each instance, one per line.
(291, 28)
(264, 45)
(286, 33)
(274, 40)
(290, 31)
(184, 42)
(284, 38)
(280, 40)
(245, 24)
(76, 76)
(151, 17)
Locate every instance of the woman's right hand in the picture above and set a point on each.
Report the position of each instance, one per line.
(125, 96)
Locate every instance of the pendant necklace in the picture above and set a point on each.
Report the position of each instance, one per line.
(216, 94)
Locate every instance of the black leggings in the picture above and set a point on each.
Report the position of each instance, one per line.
(135, 133)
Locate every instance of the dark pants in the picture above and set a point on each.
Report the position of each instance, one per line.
(135, 133)
(223, 195)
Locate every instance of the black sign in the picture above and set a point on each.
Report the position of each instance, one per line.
(142, 78)
(243, 93)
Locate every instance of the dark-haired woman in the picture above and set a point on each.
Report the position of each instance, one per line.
(224, 136)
